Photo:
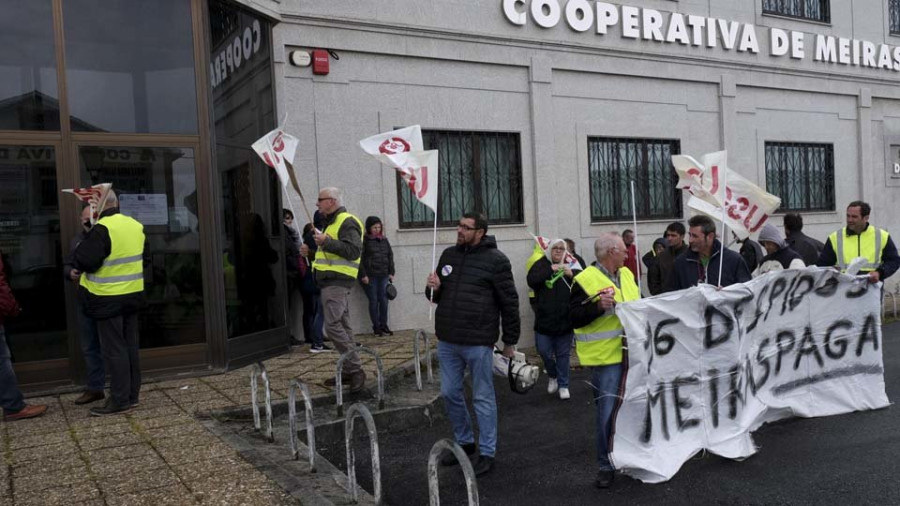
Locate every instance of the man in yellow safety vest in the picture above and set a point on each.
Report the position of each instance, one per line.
(859, 239)
(111, 260)
(599, 335)
(336, 267)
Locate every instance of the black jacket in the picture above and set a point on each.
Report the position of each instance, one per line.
(551, 305)
(377, 257)
(477, 288)
(808, 248)
(689, 271)
(69, 261)
(752, 253)
(89, 257)
(658, 275)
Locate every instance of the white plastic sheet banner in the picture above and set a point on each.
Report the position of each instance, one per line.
(713, 185)
(706, 367)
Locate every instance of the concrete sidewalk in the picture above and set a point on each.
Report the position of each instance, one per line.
(160, 453)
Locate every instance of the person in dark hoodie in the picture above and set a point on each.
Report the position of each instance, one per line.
(658, 275)
(553, 332)
(780, 255)
(475, 291)
(376, 270)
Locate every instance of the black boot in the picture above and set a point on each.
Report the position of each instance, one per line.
(386, 331)
(449, 458)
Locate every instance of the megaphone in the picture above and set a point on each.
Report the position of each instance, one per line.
(522, 376)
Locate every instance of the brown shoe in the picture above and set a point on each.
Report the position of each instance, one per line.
(357, 381)
(29, 411)
(345, 380)
(89, 396)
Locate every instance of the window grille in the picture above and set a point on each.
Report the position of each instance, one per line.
(614, 162)
(802, 174)
(894, 16)
(813, 10)
(479, 171)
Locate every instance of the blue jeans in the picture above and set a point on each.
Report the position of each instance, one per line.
(555, 351)
(376, 291)
(606, 380)
(454, 358)
(312, 318)
(10, 396)
(90, 348)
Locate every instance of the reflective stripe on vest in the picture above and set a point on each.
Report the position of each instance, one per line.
(122, 271)
(598, 342)
(329, 262)
(536, 255)
(860, 247)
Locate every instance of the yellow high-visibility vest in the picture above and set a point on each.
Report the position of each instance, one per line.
(600, 342)
(870, 244)
(329, 262)
(122, 271)
(536, 255)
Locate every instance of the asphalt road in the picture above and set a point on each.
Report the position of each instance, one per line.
(545, 457)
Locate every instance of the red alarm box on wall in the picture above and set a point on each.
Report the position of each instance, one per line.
(320, 61)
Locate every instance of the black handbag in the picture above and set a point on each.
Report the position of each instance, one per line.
(391, 291)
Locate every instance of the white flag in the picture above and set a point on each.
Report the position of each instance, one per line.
(419, 169)
(97, 193)
(383, 145)
(277, 148)
(713, 186)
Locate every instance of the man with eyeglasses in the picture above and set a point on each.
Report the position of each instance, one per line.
(476, 294)
(336, 267)
(658, 274)
(599, 335)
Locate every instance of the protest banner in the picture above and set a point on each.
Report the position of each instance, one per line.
(715, 188)
(706, 367)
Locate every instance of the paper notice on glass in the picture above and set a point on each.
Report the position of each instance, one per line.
(147, 208)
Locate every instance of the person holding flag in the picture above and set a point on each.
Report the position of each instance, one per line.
(702, 264)
(111, 259)
(599, 335)
(336, 267)
(550, 279)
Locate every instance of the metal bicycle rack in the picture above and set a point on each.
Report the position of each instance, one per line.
(468, 472)
(258, 369)
(360, 409)
(424, 335)
(292, 420)
(339, 387)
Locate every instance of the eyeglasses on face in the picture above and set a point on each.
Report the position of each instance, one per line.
(322, 199)
(466, 227)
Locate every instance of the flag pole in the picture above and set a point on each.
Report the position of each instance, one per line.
(724, 228)
(433, 266)
(637, 251)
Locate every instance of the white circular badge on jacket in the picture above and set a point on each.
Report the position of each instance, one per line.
(446, 270)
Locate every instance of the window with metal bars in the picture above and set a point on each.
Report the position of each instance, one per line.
(614, 162)
(894, 13)
(802, 174)
(478, 171)
(813, 10)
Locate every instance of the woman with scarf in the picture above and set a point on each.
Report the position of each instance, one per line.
(551, 280)
(376, 270)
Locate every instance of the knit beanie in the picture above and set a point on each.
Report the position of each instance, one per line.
(770, 233)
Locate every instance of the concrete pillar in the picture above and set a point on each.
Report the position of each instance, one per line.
(864, 146)
(543, 146)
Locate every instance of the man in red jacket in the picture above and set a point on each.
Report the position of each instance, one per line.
(14, 407)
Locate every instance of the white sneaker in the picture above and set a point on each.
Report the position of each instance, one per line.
(552, 386)
(564, 393)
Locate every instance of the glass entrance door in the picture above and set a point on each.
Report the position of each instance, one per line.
(31, 246)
